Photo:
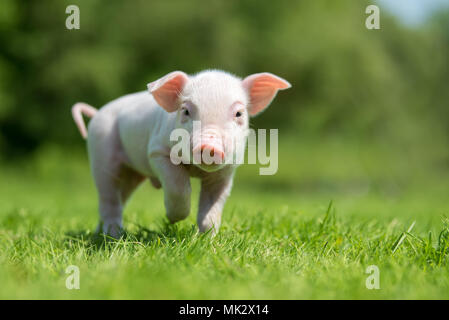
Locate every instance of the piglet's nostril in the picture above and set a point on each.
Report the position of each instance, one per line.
(212, 151)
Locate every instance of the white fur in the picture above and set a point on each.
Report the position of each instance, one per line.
(128, 141)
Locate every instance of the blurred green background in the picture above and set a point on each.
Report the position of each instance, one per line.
(385, 86)
(368, 110)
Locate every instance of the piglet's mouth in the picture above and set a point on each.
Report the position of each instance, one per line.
(210, 167)
(209, 157)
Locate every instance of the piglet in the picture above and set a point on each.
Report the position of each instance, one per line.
(129, 140)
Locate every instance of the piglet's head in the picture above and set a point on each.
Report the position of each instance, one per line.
(214, 108)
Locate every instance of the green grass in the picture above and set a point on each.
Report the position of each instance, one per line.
(308, 232)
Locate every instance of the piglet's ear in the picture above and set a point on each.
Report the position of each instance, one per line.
(166, 90)
(262, 88)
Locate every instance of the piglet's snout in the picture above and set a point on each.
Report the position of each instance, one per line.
(210, 149)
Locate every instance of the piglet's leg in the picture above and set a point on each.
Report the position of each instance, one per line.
(114, 188)
(175, 181)
(215, 189)
(114, 180)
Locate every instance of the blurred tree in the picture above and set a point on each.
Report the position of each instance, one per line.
(347, 80)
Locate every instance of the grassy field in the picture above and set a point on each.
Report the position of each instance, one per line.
(334, 208)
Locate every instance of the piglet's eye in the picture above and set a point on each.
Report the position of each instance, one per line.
(238, 114)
